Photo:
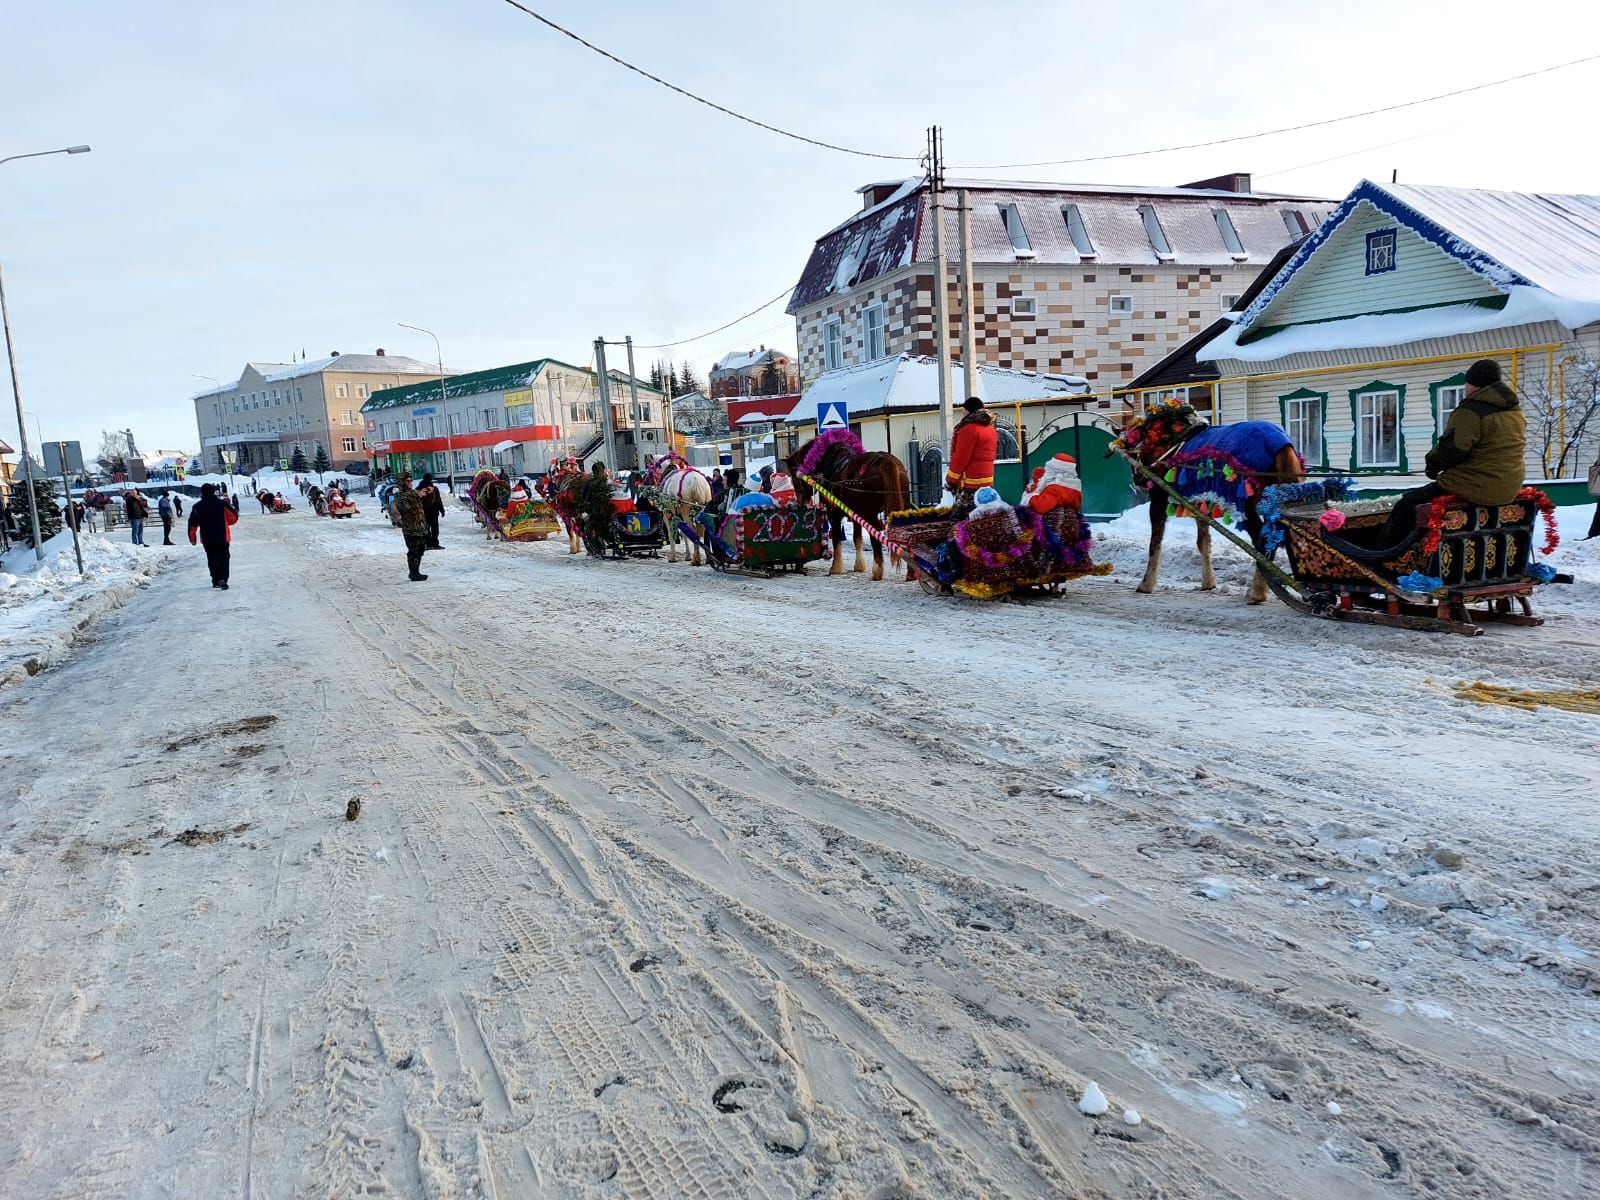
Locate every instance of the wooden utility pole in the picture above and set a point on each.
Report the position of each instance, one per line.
(969, 300)
(941, 295)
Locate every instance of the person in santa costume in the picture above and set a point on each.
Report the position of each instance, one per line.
(1053, 485)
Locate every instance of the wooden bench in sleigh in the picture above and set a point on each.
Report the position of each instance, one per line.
(1463, 565)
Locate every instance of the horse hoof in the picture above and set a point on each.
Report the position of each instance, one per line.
(1255, 600)
(1145, 591)
(1206, 587)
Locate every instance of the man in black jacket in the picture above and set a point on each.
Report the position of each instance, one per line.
(210, 519)
(433, 506)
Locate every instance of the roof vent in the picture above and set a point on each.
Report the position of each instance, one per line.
(380, 351)
(1234, 181)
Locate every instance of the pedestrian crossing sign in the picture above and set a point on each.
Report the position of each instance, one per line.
(831, 414)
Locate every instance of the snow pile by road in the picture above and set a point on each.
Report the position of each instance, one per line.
(45, 606)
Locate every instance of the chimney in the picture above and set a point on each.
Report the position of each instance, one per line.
(876, 193)
(380, 351)
(335, 354)
(1234, 181)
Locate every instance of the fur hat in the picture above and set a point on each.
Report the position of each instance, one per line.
(1483, 372)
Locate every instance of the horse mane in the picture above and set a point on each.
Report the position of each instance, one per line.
(826, 441)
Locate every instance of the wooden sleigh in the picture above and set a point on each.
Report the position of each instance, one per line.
(1005, 553)
(762, 541)
(1464, 564)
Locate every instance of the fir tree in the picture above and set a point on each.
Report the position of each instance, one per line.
(319, 462)
(774, 380)
(674, 386)
(297, 461)
(655, 376)
(687, 381)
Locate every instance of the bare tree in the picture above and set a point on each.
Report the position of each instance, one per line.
(1564, 417)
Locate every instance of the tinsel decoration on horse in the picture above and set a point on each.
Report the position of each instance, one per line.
(1219, 471)
(873, 484)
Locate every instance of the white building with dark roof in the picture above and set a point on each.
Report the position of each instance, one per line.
(275, 408)
(753, 373)
(1359, 343)
(1099, 281)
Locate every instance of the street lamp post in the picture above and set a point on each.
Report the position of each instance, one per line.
(221, 421)
(16, 387)
(444, 403)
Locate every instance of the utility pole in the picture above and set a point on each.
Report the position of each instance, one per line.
(969, 300)
(22, 427)
(633, 399)
(609, 445)
(941, 297)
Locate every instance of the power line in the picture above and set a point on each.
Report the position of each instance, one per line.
(1416, 137)
(738, 116)
(718, 329)
(1245, 137)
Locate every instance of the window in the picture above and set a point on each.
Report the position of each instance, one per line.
(1380, 251)
(1023, 306)
(341, 391)
(872, 331)
(455, 424)
(1295, 222)
(644, 407)
(1378, 429)
(298, 395)
(1230, 235)
(440, 462)
(1303, 420)
(1012, 220)
(472, 420)
(1077, 231)
(1121, 304)
(402, 429)
(361, 391)
(1446, 399)
(519, 415)
(1153, 231)
(461, 465)
(348, 445)
(833, 345)
(491, 418)
(1230, 301)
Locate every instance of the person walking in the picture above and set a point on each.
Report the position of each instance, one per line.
(411, 514)
(972, 451)
(210, 522)
(432, 507)
(233, 503)
(177, 505)
(164, 509)
(136, 510)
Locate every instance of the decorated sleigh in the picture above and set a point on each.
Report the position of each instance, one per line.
(1460, 555)
(633, 531)
(339, 506)
(763, 541)
(527, 519)
(997, 550)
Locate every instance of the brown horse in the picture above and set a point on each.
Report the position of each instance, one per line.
(1219, 471)
(872, 484)
(561, 487)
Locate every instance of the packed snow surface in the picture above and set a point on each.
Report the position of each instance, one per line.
(672, 884)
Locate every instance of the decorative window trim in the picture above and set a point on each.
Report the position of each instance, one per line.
(1283, 419)
(341, 391)
(1374, 241)
(1378, 386)
(1024, 306)
(1436, 400)
(1120, 304)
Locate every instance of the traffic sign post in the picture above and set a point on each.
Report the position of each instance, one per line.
(832, 414)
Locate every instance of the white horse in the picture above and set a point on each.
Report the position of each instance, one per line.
(681, 492)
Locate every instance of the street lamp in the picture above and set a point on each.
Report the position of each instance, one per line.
(444, 403)
(16, 387)
(220, 422)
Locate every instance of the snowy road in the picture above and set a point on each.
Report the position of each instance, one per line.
(680, 886)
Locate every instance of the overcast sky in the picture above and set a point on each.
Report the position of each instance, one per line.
(271, 178)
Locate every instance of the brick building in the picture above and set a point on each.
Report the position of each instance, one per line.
(1089, 280)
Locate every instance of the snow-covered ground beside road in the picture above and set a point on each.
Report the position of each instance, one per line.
(675, 884)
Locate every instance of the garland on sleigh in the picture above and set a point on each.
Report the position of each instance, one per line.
(1433, 520)
(1269, 508)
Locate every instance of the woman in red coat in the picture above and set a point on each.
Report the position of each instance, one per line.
(972, 449)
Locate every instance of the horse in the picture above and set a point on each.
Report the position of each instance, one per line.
(487, 495)
(1218, 471)
(873, 484)
(265, 500)
(562, 487)
(680, 492)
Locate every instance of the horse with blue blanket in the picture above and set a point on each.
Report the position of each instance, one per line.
(1217, 471)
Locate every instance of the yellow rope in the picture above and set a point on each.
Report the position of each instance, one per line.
(1585, 701)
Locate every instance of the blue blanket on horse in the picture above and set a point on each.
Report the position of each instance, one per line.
(1216, 470)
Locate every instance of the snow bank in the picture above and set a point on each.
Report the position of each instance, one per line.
(45, 606)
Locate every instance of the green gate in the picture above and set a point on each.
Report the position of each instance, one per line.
(1107, 481)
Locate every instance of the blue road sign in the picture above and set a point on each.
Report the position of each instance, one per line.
(831, 414)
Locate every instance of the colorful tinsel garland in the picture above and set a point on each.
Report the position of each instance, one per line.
(825, 441)
(1433, 520)
(1269, 508)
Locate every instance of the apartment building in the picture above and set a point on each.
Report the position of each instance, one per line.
(275, 408)
(1097, 281)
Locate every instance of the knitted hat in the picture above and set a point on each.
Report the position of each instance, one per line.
(1483, 372)
(972, 404)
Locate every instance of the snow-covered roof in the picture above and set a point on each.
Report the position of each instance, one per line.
(741, 360)
(1541, 251)
(906, 382)
(374, 364)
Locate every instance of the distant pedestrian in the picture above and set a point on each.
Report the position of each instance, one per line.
(177, 505)
(412, 517)
(209, 524)
(433, 506)
(233, 503)
(136, 509)
(164, 508)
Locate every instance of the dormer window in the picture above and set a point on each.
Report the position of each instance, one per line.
(1380, 251)
(1077, 231)
(1230, 235)
(1020, 245)
(1295, 222)
(1153, 230)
